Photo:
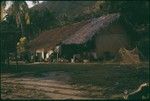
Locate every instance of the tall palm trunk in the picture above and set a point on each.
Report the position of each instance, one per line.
(22, 34)
(21, 24)
(16, 58)
(7, 53)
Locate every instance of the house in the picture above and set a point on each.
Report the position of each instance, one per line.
(104, 36)
(99, 36)
(44, 45)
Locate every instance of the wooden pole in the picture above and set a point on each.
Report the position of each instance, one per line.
(57, 57)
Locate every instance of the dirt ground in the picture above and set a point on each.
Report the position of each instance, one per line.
(66, 81)
(44, 87)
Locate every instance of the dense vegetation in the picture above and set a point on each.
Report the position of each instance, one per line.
(53, 14)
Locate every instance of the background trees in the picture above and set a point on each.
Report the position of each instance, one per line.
(136, 16)
(13, 27)
(8, 38)
(22, 49)
(41, 21)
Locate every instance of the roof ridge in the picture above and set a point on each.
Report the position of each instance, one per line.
(93, 25)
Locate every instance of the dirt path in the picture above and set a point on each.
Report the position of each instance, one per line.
(71, 81)
(51, 86)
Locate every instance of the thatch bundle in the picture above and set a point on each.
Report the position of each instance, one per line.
(129, 57)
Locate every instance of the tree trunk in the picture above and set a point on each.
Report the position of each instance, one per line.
(7, 58)
(22, 29)
(16, 58)
(22, 33)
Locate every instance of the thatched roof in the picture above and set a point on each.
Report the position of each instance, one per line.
(77, 33)
(88, 31)
(49, 39)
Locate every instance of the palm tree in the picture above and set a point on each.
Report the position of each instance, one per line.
(19, 9)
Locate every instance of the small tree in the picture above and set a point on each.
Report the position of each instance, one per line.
(22, 49)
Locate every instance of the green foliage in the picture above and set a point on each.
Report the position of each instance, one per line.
(136, 16)
(41, 21)
(8, 38)
(23, 49)
(136, 12)
(22, 45)
(9, 35)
